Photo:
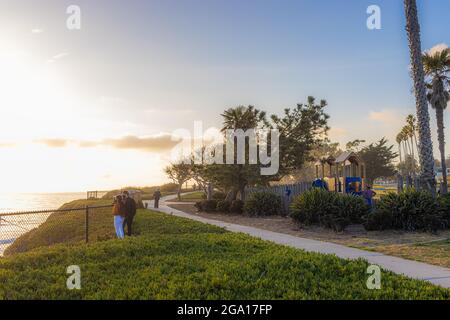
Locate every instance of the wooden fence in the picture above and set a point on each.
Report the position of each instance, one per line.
(281, 190)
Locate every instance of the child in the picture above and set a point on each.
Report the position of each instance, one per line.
(368, 195)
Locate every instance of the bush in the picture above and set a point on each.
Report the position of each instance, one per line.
(206, 205)
(329, 209)
(263, 204)
(378, 220)
(410, 210)
(223, 206)
(444, 208)
(169, 187)
(237, 206)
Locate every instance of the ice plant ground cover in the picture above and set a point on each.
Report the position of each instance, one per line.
(175, 258)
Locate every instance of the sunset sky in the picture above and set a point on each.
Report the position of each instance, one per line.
(96, 108)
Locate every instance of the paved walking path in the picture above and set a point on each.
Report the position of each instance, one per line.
(413, 269)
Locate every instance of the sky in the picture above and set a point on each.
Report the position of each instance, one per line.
(96, 108)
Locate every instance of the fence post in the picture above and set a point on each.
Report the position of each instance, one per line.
(86, 225)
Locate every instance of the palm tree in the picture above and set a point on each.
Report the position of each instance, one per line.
(423, 118)
(243, 118)
(437, 70)
(399, 140)
(412, 123)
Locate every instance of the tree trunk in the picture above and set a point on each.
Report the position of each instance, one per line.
(414, 158)
(242, 192)
(441, 140)
(179, 191)
(231, 195)
(423, 118)
(400, 156)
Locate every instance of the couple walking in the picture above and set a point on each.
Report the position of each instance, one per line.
(124, 210)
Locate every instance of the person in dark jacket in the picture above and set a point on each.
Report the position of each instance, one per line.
(130, 211)
(157, 196)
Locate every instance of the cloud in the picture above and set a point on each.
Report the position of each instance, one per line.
(437, 48)
(385, 116)
(53, 143)
(6, 145)
(156, 143)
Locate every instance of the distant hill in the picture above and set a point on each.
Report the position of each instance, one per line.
(147, 192)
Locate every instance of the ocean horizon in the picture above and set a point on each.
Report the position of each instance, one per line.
(13, 202)
(21, 201)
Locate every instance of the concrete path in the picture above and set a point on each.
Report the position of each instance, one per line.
(413, 269)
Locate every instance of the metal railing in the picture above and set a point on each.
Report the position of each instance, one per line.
(42, 225)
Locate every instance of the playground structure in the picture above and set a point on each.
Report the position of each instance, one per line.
(345, 174)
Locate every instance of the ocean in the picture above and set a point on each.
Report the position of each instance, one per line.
(12, 227)
(36, 201)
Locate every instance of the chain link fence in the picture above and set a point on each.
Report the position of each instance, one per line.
(25, 230)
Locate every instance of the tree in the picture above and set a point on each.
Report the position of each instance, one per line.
(302, 129)
(423, 118)
(236, 177)
(243, 118)
(354, 145)
(308, 170)
(179, 173)
(378, 158)
(437, 69)
(399, 140)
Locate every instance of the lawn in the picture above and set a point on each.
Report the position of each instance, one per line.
(191, 197)
(176, 258)
(437, 252)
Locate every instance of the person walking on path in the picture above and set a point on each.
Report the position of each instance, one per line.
(130, 211)
(156, 197)
(119, 216)
(368, 195)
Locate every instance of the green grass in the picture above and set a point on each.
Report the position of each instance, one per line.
(192, 197)
(176, 258)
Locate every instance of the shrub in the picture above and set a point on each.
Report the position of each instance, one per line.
(206, 205)
(237, 206)
(378, 220)
(263, 204)
(329, 209)
(353, 208)
(198, 206)
(444, 208)
(223, 206)
(410, 210)
(169, 187)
